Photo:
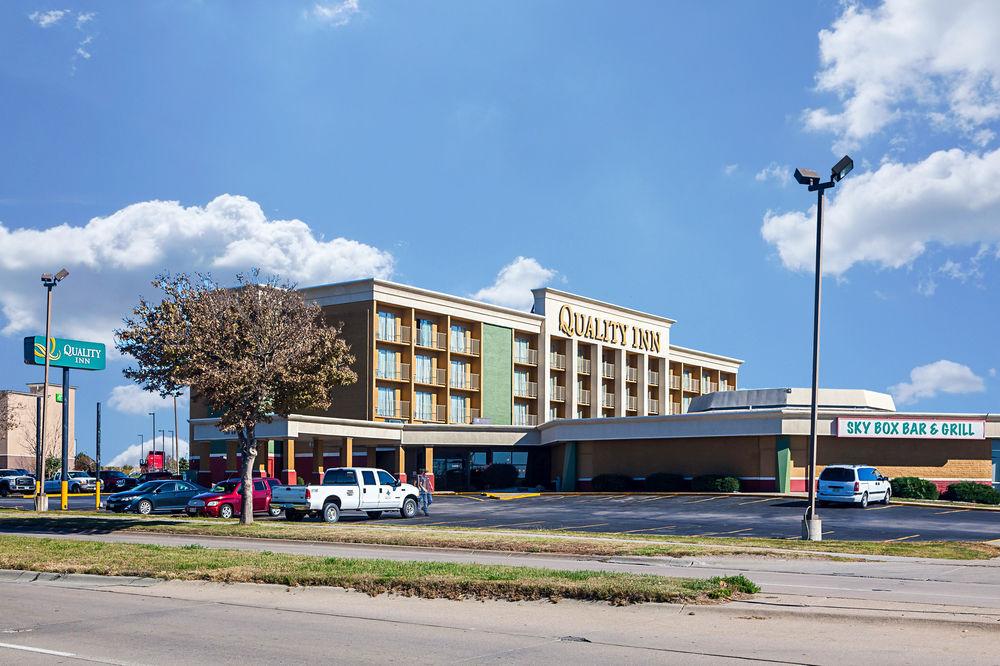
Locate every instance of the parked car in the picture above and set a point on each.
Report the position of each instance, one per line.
(167, 496)
(154, 476)
(79, 482)
(113, 480)
(854, 484)
(13, 481)
(372, 491)
(225, 501)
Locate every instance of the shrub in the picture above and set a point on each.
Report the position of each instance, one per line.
(970, 491)
(662, 482)
(914, 488)
(715, 483)
(611, 483)
(500, 475)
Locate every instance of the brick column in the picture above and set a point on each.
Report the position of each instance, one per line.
(370, 460)
(400, 460)
(288, 474)
(429, 464)
(347, 452)
(318, 451)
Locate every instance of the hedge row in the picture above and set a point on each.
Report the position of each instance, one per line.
(664, 482)
(963, 491)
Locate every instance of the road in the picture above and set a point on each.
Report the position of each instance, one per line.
(81, 619)
(710, 515)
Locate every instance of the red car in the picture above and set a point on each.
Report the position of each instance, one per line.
(224, 499)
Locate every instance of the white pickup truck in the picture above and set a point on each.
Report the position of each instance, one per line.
(373, 491)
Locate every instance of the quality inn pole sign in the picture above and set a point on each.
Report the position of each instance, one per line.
(63, 353)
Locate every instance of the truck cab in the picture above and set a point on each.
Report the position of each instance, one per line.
(364, 489)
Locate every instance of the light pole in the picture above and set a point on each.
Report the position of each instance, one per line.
(173, 443)
(141, 440)
(177, 462)
(152, 442)
(49, 281)
(812, 526)
(163, 446)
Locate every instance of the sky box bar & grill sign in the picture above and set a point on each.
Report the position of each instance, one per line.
(63, 353)
(917, 428)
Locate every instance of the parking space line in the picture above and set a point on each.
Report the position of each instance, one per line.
(912, 536)
(706, 499)
(649, 529)
(580, 527)
(881, 508)
(745, 529)
(530, 522)
(758, 501)
(941, 513)
(653, 499)
(51, 653)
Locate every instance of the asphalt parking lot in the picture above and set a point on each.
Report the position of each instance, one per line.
(689, 515)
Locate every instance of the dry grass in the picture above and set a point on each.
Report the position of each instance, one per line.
(423, 579)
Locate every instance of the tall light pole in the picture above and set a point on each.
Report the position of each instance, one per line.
(177, 434)
(812, 526)
(141, 441)
(49, 281)
(152, 442)
(173, 443)
(163, 446)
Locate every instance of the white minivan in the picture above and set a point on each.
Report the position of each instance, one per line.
(854, 484)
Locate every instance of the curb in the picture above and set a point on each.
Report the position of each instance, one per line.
(28, 576)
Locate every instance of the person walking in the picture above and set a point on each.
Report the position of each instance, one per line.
(426, 489)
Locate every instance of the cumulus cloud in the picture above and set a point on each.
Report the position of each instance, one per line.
(336, 14)
(112, 259)
(889, 216)
(774, 171)
(513, 285)
(130, 399)
(730, 169)
(130, 456)
(49, 18)
(927, 381)
(910, 58)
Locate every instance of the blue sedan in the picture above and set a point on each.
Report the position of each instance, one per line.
(167, 496)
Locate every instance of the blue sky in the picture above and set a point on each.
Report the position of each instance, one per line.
(636, 153)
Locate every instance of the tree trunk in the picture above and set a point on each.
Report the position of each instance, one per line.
(248, 453)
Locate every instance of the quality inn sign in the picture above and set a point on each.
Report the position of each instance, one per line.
(72, 354)
(916, 428)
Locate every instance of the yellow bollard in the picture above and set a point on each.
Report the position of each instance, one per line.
(97, 497)
(38, 487)
(65, 496)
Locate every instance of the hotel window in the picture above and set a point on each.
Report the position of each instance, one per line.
(386, 326)
(425, 332)
(687, 403)
(521, 382)
(458, 376)
(458, 338)
(386, 401)
(520, 413)
(386, 364)
(424, 406)
(458, 409)
(423, 368)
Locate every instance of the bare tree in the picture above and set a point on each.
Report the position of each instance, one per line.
(252, 352)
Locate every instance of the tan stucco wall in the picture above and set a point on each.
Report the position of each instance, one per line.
(17, 445)
(928, 459)
(747, 456)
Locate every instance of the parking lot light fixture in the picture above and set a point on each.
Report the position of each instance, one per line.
(49, 281)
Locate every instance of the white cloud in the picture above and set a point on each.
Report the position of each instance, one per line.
(888, 217)
(49, 18)
(131, 399)
(927, 287)
(84, 18)
(927, 381)
(130, 456)
(910, 58)
(993, 372)
(730, 169)
(513, 285)
(774, 171)
(336, 14)
(112, 259)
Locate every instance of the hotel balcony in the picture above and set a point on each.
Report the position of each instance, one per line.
(558, 393)
(526, 420)
(583, 397)
(526, 356)
(397, 373)
(724, 386)
(632, 403)
(526, 390)
(557, 361)
(654, 378)
(400, 335)
(468, 417)
(692, 385)
(608, 400)
(466, 346)
(709, 387)
(631, 374)
(431, 378)
(583, 365)
(468, 382)
(675, 408)
(608, 370)
(675, 382)
(436, 414)
(654, 406)
(398, 410)
(427, 340)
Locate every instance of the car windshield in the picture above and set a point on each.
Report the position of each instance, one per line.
(837, 474)
(225, 487)
(79, 474)
(147, 487)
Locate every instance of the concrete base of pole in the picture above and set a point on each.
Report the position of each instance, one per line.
(812, 529)
(41, 502)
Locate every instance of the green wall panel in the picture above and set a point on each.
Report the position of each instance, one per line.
(498, 374)
(783, 464)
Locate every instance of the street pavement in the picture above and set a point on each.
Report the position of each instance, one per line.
(80, 619)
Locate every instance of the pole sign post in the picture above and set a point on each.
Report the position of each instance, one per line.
(905, 428)
(63, 353)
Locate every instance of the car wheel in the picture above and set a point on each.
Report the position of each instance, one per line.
(74, 489)
(145, 507)
(409, 508)
(864, 501)
(273, 511)
(226, 511)
(888, 494)
(293, 515)
(331, 512)
(4, 490)
(374, 515)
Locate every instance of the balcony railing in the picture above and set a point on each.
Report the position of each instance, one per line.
(608, 400)
(526, 419)
(675, 408)
(557, 393)
(692, 385)
(631, 374)
(526, 356)
(468, 382)
(431, 340)
(583, 365)
(709, 387)
(557, 361)
(724, 386)
(608, 370)
(434, 413)
(654, 378)
(400, 334)
(399, 372)
(469, 347)
(397, 410)
(526, 390)
(654, 406)
(632, 403)
(431, 377)
(675, 382)
(583, 397)
(469, 416)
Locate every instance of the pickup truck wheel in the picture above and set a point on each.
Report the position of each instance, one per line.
(409, 508)
(374, 515)
(331, 512)
(273, 511)
(293, 515)
(226, 511)
(4, 490)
